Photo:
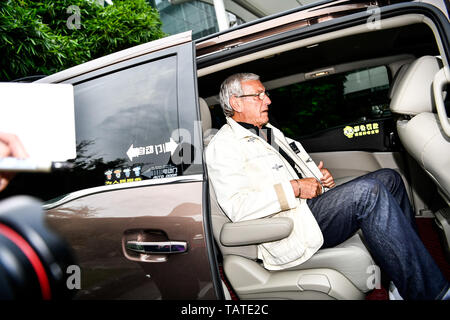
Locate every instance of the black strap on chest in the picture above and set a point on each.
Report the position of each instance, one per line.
(266, 134)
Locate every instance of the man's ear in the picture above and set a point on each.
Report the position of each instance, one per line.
(234, 103)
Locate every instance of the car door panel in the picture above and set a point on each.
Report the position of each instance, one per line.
(370, 135)
(98, 225)
(131, 183)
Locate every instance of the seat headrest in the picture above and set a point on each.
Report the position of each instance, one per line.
(205, 115)
(397, 79)
(412, 92)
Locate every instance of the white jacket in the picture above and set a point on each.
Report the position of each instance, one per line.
(252, 181)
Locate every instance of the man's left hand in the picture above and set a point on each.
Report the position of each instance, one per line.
(327, 180)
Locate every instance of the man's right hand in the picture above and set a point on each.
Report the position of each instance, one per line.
(10, 146)
(309, 188)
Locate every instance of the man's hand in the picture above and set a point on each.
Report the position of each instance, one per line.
(327, 179)
(10, 146)
(306, 188)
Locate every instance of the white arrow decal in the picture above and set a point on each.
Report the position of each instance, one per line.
(132, 152)
(171, 146)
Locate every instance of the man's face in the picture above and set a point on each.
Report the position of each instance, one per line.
(252, 109)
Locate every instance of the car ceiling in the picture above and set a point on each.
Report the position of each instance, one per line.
(416, 39)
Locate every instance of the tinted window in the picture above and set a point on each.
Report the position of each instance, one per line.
(124, 123)
(311, 106)
(125, 120)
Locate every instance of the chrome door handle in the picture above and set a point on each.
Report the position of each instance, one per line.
(157, 247)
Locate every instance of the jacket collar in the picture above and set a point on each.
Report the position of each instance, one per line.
(301, 159)
(239, 130)
(265, 132)
(243, 133)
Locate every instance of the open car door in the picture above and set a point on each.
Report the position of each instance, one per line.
(133, 207)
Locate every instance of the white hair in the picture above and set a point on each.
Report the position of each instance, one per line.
(232, 87)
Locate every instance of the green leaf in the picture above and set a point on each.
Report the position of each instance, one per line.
(34, 36)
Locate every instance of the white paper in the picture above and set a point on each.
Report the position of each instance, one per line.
(42, 116)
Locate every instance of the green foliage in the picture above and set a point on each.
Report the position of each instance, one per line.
(309, 106)
(43, 37)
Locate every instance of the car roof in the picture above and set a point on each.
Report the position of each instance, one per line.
(281, 22)
(119, 56)
(292, 19)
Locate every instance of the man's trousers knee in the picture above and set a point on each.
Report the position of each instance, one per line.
(377, 204)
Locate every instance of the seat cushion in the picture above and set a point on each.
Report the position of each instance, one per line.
(351, 258)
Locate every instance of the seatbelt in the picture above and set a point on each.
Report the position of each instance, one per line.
(268, 139)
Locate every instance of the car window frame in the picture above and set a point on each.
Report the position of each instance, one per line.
(186, 51)
(188, 116)
(438, 18)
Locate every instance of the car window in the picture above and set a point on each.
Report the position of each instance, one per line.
(125, 121)
(308, 107)
(126, 125)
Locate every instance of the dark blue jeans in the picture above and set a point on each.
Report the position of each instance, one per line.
(377, 203)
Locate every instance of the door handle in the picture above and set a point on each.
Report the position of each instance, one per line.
(157, 247)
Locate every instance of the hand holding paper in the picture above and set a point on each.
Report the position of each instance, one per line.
(36, 122)
(10, 146)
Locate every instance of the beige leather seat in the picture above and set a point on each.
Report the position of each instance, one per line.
(420, 130)
(344, 272)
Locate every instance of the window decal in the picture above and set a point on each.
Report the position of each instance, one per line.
(361, 130)
(134, 152)
(158, 172)
(116, 176)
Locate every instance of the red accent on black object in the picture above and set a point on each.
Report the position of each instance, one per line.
(224, 279)
(29, 252)
(428, 234)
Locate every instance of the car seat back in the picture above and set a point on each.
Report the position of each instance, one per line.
(420, 131)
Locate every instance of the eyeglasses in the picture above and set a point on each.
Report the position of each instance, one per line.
(261, 95)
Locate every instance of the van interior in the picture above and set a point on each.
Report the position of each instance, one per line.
(324, 90)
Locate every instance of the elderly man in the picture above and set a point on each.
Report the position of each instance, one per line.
(257, 172)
